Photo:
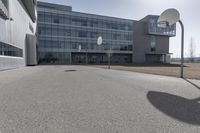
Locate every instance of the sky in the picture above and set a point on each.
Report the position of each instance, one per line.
(138, 9)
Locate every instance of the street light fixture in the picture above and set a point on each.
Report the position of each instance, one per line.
(86, 55)
(168, 18)
(100, 42)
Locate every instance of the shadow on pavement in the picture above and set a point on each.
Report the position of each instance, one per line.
(70, 70)
(74, 70)
(192, 83)
(145, 65)
(182, 109)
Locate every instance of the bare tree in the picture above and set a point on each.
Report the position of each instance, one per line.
(192, 49)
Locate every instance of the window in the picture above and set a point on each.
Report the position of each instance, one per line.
(9, 50)
(130, 47)
(4, 9)
(114, 26)
(84, 22)
(41, 17)
(127, 37)
(61, 32)
(48, 17)
(39, 30)
(67, 19)
(5, 2)
(154, 29)
(54, 31)
(126, 28)
(55, 44)
(42, 43)
(114, 36)
(153, 43)
(68, 32)
(93, 23)
(93, 34)
(82, 34)
(56, 20)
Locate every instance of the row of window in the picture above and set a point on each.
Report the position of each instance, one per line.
(52, 44)
(82, 21)
(153, 28)
(64, 58)
(53, 31)
(92, 58)
(9, 50)
(78, 39)
(54, 57)
(63, 13)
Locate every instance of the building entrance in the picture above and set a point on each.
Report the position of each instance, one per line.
(100, 58)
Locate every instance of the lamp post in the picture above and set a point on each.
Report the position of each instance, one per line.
(100, 42)
(109, 54)
(168, 18)
(79, 50)
(182, 48)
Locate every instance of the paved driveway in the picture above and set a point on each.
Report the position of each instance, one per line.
(79, 99)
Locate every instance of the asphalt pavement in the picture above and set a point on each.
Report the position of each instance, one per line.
(80, 99)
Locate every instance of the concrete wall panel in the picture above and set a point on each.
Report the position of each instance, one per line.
(14, 30)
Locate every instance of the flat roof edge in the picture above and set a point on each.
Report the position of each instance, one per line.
(54, 6)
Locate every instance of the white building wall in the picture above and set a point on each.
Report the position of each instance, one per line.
(14, 32)
(10, 62)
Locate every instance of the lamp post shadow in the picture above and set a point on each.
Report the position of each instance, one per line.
(195, 85)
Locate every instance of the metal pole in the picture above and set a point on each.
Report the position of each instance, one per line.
(70, 58)
(182, 48)
(86, 60)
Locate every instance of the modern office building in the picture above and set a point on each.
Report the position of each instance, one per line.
(61, 32)
(150, 42)
(17, 33)
(69, 37)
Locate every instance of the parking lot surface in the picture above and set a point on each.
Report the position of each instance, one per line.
(80, 99)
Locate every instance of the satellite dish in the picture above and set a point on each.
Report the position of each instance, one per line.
(168, 18)
(99, 40)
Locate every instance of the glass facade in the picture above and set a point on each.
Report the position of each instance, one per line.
(154, 29)
(9, 50)
(4, 9)
(5, 2)
(60, 33)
